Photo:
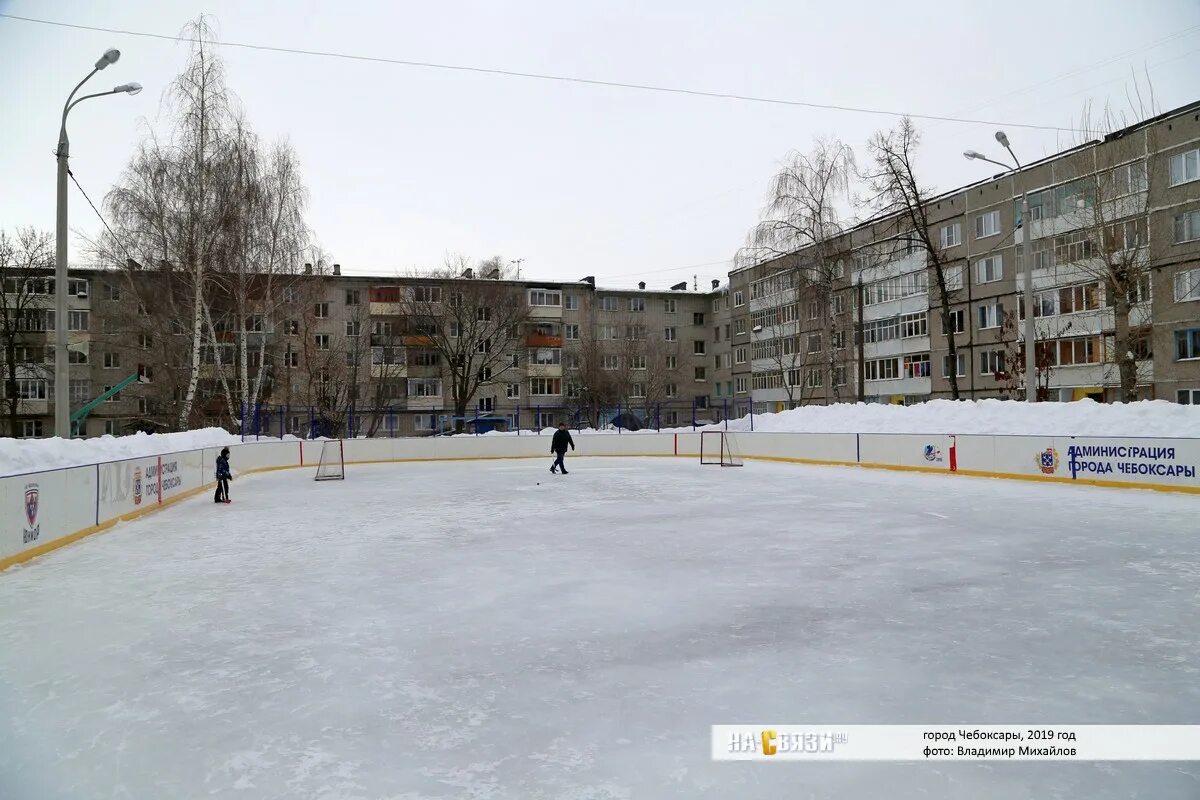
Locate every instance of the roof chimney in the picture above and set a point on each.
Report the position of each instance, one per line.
(679, 287)
(468, 273)
(716, 283)
(642, 285)
(494, 274)
(589, 279)
(337, 269)
(307, 268)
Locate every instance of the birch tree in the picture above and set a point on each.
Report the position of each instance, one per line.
(26, 270)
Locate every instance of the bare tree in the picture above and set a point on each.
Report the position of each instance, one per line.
(472, 322)
(803, 234)
(898, 194)
(26, 286)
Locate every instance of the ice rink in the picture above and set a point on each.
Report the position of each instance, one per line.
(456, 630)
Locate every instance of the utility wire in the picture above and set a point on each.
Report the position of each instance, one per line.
(644, 87)
(104, 222)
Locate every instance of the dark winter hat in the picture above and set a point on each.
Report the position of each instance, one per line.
(224, 451)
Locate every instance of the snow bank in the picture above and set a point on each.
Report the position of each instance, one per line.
(1148, 418)
(31, 455)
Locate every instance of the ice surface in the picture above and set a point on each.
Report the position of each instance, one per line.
(456, 630)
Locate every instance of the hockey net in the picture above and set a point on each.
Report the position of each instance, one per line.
(717, 447)
(332, 466)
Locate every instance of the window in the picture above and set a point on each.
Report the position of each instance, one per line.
(544, 387)
(637, 304)
(80, 391)
(738, 299)
(728, 360)
(145, 341)
(637, 362)
(114, 291)
(424, 387)
(716, 333)
(483, 347)
(610, 362)
(112, 360)
(292, 359)
(700, 373)
(908, 285)
(987, 224)
(740, 384)
(353, 297)
(991, 362)
(671, 390)
(423, 358)
(669, 306)
(916, 366)
(1187, 285)
(322, 341)
(455, 330)
(1184, 167)
(31, 429)
(814, 378)
(953, 277)
(1187, 344)
(427, 294)
(1187, 227)
(837, 340)
(571, 302)
(881, 369)
(637, 390)
(881, 330)
(839, 304)
(961, 365)
(1188, 397)
(698, 347)
(716, 305)
(991, 315)
(636, 332)
(989, 269)
(353, 327)
(739, 326)
(291, 327)
(698, 318)
(77, 320)
(350, 355)
(77, 287)
(1127, 179)
(1072, 299)
(957, 322)
(951, 235)
(545, 297)
(914, 325)
(512, 391)
(1074, 246)
(739, 355)
(839, 375)
(571, 330)
(672, 362)
(1081, 350)
(814, 343)
(545, 356)
(727, 336)
(321, 310)
(669, 334)
(608, 332)
(608, 303)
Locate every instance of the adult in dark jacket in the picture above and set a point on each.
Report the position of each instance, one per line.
(223, 477)
(558, 446)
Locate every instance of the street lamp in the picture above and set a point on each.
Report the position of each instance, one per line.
(62, 374)
(1027, 252)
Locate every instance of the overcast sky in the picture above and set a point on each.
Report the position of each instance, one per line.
(406, 164)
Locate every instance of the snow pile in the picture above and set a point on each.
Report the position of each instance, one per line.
(1147, 418)
(31, 455)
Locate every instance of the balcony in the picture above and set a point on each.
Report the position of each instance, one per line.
(542, 340)
(544, 370)
(385, 309)
(418, 340)
(424, 403)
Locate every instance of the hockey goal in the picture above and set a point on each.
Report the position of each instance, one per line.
(716, 447)
(333, 463)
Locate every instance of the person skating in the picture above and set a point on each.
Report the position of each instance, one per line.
(223, 477)
(558, 446)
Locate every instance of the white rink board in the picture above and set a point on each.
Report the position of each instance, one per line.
(840, 448)
(61, 502)
(930, 451)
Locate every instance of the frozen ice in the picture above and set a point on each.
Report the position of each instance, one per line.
(454, 630)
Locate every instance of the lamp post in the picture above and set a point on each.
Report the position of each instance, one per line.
(62, 374)
(1027, 251)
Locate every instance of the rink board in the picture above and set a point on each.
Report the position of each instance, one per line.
(40, 511)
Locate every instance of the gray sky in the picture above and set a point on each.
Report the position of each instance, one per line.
(407, 164)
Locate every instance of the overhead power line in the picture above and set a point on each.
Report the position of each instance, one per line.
(643, 87)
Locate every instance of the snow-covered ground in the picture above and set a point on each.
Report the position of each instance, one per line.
(1156, 418)
(29, 455)
(488, 630)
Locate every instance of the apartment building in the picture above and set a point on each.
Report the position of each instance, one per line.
(1125, 206)
(339, 354)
